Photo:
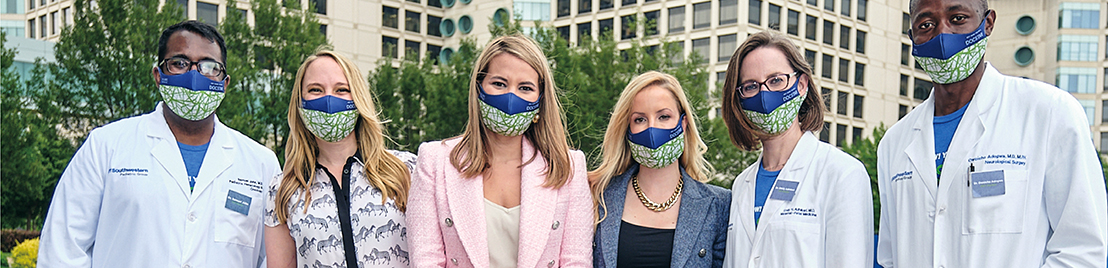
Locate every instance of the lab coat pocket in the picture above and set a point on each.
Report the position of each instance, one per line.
(993, 213)
(231, 224)
(791, 244)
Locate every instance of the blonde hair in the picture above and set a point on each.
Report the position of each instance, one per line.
(382, 169)
(616, 154)
(547, 135)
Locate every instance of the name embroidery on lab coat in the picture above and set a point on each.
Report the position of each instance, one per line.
(907, 175)
(810, 212)
(129, 171)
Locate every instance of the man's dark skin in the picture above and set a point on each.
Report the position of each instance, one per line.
(194, 47)
(932, 17)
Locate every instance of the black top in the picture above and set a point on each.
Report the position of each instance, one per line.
(644, 246)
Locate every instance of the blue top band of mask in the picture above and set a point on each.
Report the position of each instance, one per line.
(655, 137)
(767, 101)
(945, 45)
(508, 103)
(191, 80)
(328, 104)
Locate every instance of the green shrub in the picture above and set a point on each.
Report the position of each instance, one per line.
(25, 254)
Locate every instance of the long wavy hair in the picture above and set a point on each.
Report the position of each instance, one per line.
(616, 153)
(548, 135)
(383, 170)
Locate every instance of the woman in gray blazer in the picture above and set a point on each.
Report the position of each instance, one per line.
(653, 208)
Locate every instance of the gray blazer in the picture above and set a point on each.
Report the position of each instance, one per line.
(701, 234)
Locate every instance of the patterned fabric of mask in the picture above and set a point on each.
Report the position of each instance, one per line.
(330, 118)
(191, 95)
(506, 114)
(780, 119)
(656, 147)
(949, 58)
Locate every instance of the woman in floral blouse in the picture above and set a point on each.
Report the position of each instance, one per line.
(341, 199)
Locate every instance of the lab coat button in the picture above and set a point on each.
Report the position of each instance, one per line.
(555, 226)
(550, 264)
(931, 214)
(702, 253)
(187, 266)
(449, 222)
(757, 258)
(192, 216)
(941, 209)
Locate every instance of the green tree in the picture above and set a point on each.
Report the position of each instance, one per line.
(866, 151)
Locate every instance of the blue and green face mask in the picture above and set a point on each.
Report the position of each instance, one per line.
(949, 58)
(506, 114)
(191, 95)
(330, 118)
(774, 111)
(656, 147)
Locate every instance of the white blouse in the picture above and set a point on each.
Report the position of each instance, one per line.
(379, 229)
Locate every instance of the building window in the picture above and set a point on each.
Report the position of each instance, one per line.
(531, 10)
(903, 85)
(828, 32)
(606, 4)
(862, 10)
(676, 52)
(388, 47)
(702, 15)
(829, 5)
(323, 29)
(627, 27)
(389, 17)
(859, 105)
(728, 11)
(411, 50)
(434, 3)
(584, 6)
(841, 107)
(814, 3)
(845, 7)
(676, 19)
(54, 21)
(828, 61)
(321, 6)
(563, 8)
(825, 93)
(42, 25)
(905, 54)
(629, 2)
(774, 17)
(66, 15)
(414, 1)
(1105, 79)
(844, 37)
(1104, 141)
(1076, 80)
(857, 134)
(844, 68)
(810, 24)
(860, 42)
(433, 25)
(31, 27)
(810, 57)
(755, 12)
(411, 21)
(727, 46)
(825, 133)
(207, 13)
(651, 24)
(1090, 109)
(903, 110)
(905, 23)
(700, 47)
(840, 135)
(1103, 113)
(1079, 15)
(1077, 48)
(859, 74)
(563, 32)
(584, 32)
(605, 26)
(794, 22)
(923, 89)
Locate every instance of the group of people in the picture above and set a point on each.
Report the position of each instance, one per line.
(177, 188)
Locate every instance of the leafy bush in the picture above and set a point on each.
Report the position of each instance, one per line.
(9, 238)
(25, 254)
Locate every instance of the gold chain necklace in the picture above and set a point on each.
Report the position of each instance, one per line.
(655, 206)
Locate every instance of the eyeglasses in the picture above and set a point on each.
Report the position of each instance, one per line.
(773, 83)
(177, 65)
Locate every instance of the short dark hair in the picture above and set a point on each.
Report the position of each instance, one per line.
(203, 29)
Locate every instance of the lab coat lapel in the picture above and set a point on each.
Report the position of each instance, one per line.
(796, 169)
(166, 151)
(746, 195)
(971, 130)
(921, 151)
(614, 196)
(465, 197)
(691, 214)
(217, 159)
(537, 207)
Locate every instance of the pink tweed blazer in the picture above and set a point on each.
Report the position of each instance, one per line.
(446, 214)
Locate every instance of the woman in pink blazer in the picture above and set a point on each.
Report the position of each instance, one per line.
(508, 192)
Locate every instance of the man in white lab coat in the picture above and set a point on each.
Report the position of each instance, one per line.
(991, 170)
(172, 188)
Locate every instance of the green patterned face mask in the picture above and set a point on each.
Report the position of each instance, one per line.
(330, 118)
(508, 125)
(190, 95)
(957, 67)
(659, 157)
(779, 119)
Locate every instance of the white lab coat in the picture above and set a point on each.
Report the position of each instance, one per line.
(828, 223)
(1053, 211)
(124, 201)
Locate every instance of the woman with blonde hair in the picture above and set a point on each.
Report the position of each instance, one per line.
(508, 192)
(342, 196)
(814, 198)
(653, 151)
